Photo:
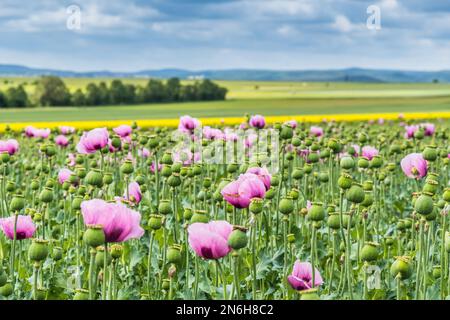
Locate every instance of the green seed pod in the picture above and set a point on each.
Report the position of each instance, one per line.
(34, 185)
(38, 250)
(5, 157)
(165, 207)
(167, 158)
(376, 162)
(238, 238)
(6, 290)
(286, 205)
(17, 203)
(107, 178)
(174, 180)
(76, 202)
(94, 178)
(296, 142)
(80, 172)
(313, 157)
(309, 294)
(446, 195)
(46, 195)
(94, 236)
(57, 253)
(347, 163)
(290, 237)
(100, 257)
(436, 272)
(127, 167)
(430, 153)
(294, 193)
(275, 180)
(316, 212)
(116, 251)
(116, 142)
(345, 181)
(50, 150)
(232, 168)
(256, 205)
(286, 132)
(370, 252)
(81, 294)
(333, 221)
(165, 284)
(368, 199)
(174, 254)
(389, 241)
(363, 162)
(424, 204)
(419, 134)
(187, 214)
(270, 194)
(199, 216)
(356, 193)
(431, 186)
(3, 277)
(402, 266)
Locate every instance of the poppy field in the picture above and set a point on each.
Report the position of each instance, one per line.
(256, 210)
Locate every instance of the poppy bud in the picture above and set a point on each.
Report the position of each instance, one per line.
(345, 181)
(270, 194)
(363, 162)
(174, 254)
(376, 162)
(333, 221)
(402, 266)
(256, 205)
(431, 186)
(38, 250)
(100, 257)
(424, 204)
(347, 163)
(94, 236)
(165, 207)
(174, 180)
(57, 253)
(238, 238)
(187, 214)
(430, 153)
(355, 194)
(286, 132)
(286, 205)
(316, 212)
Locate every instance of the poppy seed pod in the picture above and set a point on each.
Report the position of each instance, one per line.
(294, 193)
(296, 142)
(166, 171)
(100, 257)
(446, 195)
(81, 294)
(94, 178)
(370, 252)
(256, 205)
(345, 181)
(238, 238)
(3, 277)
(199, 216)
(187, 214)
(402, 266)
(363, 162)
(297, 173)
(57, 253)
(355, 194)
(76, 202)
(286, 205)
(309, 294)
(431, 186)
(38, 250)
(286, 132)
(127, 167)
(270, 194)
(167, 158)
(333, 220)
(6, 290)
(174, 180)
(368, 199)
(94, 236)
(424, 204)
(116, 142)
(174, 254)
(347, 163)
(165, 207)
(155, 221)
(430, 153)
(316, 212)
(313, 157)
(34, 185)
(376, 162)
(17, 203)
(176, 167)
(46, 195)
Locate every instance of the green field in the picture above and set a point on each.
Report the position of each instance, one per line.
(268, 98)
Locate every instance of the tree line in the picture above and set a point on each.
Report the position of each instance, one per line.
(52, 91)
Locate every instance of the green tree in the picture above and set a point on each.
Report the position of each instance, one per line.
(104, 93)
(17, 97)
(52, 91)
(117, 92)
(78, 98)
(173, 89)
(93, 95)
(3, 100)
(154, 91)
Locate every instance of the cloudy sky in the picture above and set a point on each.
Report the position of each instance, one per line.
(130, 35)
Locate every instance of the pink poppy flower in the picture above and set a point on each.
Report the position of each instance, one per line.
(123, 130)
(257, 121)
(135, 193)
(63, 175)
(144, 153)
(262, 174)
(25, 227)
(239, 193)
(414, 166)
(32, 132)
(316, 131)
(429, 128)
(62, 141)
(292, 123)
(11, 146)
(93, 140)
(71, 160)
(369, 152)
(301, 276)
(188, 124)
(152, 167)
(410, 130)
(119, 222)
(65, 130)
(210, 240)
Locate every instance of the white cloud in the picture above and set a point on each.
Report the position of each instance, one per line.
(342, 24)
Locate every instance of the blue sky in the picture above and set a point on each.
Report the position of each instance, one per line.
(127, 35)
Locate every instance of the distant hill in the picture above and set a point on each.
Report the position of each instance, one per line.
(350, 75)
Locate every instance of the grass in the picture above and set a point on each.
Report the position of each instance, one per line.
(267, 98)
